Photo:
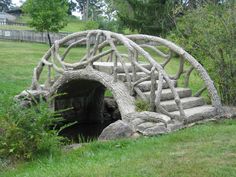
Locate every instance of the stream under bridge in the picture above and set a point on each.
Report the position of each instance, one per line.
(137, 70)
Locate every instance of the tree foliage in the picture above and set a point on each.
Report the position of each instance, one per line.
(156, 17)
(194, 4)
(47, 15)
(71, 7)
(5, 4)
(90, 9)
(209, 33)
(146, 16)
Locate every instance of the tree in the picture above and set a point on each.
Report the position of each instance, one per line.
(156, 17)
(209, 34)
(72, 7)
(47, 15)
(89, 8)
(4, 5)
(147, 16)
(194, 4)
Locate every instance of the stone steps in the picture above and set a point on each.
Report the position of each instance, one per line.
(107, 67)
(168, 95)
(139, 75)
(194, 107)
(188, 102)
(146, 85)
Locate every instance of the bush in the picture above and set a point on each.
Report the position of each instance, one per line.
(26, 133)
(89, 25)
(209, 34)
(141, 105)
(113, 25)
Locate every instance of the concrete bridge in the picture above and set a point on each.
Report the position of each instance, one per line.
(132, 67)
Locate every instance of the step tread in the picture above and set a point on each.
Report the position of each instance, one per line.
(168, 95)
(198, 113)
(138, 73)
(188, 102)
(168, 90)
(146, 85)
(107, 67)
(111, 64)
(148, 82)
(183, 100)
(122, 76)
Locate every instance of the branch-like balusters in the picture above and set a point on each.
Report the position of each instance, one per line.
(153, 90)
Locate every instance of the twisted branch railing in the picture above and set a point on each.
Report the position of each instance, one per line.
(185, 56)
(107, 44)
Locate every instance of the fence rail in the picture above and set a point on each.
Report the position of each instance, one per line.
(30, 36)
(15, 23)
(39, 37)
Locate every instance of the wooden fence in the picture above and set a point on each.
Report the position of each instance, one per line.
(8, 22)
(33, 36)
(30, 36)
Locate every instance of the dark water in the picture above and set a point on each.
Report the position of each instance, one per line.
(84, 132)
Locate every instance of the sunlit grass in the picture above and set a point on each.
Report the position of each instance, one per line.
(205, 150)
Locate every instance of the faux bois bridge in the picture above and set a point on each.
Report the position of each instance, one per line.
(132, 67)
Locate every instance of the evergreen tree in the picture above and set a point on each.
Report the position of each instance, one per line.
(5, 4)
(147, 16)
(71, 7)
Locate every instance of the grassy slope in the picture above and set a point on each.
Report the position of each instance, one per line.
(71, 27)
(205, 150)
(74, 25)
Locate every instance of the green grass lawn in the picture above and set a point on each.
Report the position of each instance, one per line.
(17, 62)
(204, 150)
(74, 25)
(70, 27)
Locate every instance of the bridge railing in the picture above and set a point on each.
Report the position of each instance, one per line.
(108, 44)
(183, 57)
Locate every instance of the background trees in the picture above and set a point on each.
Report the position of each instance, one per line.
(4, 5)
(71, 7)
(150, 17)
(89, 9)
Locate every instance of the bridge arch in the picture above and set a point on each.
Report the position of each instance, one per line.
(91, 84)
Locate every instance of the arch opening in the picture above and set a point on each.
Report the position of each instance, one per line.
(84, 101)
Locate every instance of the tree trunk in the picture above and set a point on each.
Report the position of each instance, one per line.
(87, 10)
(49, 39)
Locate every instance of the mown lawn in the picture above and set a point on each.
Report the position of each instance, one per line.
(204, 150)
(17, 60)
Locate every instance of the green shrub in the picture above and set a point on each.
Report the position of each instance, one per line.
(209, 34)
(141, 105)
(27, 133)
(89, 25)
